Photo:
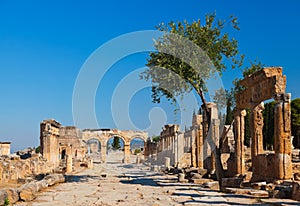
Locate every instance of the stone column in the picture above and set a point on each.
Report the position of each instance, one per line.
(194, 147)
(239, 133)
(176, 145)
(126, 153)
(200, 147)
(103, 152)
(215, 124)
(69, 165)
(207, 136)
(256, 129)
(282, 137)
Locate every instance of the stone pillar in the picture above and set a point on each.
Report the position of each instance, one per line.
(282, 137)
(215, 125)
(256, 129)
(200, 146)
(103, 152)
(176, 145)
(69, 165)
(194, 148)
(126, 153)
(207, 136)
(167, 162)
(239, 134)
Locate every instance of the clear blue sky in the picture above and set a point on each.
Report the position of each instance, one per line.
(43, 45)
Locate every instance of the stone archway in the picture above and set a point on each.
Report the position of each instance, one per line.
(263, 85)
(113, 154)
(137, 148)
(103, 135)
(93, 149)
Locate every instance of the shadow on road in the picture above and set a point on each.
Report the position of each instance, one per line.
(81, 178)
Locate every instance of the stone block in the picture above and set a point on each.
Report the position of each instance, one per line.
(29, 192)
(214, 185)
(252, 192)
(202, 181)
(282, 192)
(232, 182)
(41, 185)
(258, 185)
(181, 178)
(296, 191)
(3, 196)
(202, 171)
(195, 176)
(297, 176)
(54, 179)
(268, 187)
(12, 195)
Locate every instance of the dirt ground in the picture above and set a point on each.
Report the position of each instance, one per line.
(115, 183)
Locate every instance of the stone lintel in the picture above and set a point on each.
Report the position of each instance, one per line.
(261, 86)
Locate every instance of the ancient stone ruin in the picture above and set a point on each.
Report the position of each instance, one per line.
(70, 146)
(263, 85)
(193, 154)
(196, 148)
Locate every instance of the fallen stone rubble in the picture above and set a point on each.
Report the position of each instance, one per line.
(284, 189)
(29, 191)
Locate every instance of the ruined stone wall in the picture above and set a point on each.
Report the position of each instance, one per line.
(72, 136)
(13, 168)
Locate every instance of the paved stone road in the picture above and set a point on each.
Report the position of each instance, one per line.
(134, 185)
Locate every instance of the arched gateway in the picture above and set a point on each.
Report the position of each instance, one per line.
(71, 143)
(103, 135)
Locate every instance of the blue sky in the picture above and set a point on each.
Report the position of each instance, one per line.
(43, 45)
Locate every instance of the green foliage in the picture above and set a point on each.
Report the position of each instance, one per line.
(254, 67)
(137, 151)
(220, 98)
(155, 138)
(38, 149)
(229, 115)
(295, 110)
(116, 143)
(217, 45)
(6, 202)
